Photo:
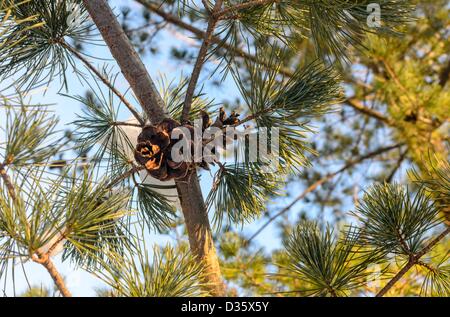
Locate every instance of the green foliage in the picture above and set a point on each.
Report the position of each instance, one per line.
(240, 193)
(25, 223)
(289, 104)
(409, 73)
(332, 25)
(437, 279)
(36, 291)
(332, 267)
(243, 266)
(93, 219)
(436, 179)
(31, 46)
(28, 132)
(394, 221)
(157, 211)
(97, 128)
(6, 8)
(96, 123)
(41, 212)
(170, 273)
(337, 24)
(173, 96)
(309, 92)
(84, 216)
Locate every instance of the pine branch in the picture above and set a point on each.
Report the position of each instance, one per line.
(127, 58)
(329, 264)
(394, 221)
(105, 81)
(318, 183)
(201, 58)
(192, 203)
(31, 50)
(38, 257)
(7, 180)
(170, 272)
(45, 260)
(392, 74)
(201, 34)
(413, 260)
(239, 192)
(352, 102)
(358, 106)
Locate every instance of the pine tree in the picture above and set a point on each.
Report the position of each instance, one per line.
(290, 62)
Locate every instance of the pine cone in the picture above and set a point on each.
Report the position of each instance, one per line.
(154, 147)
(154, 151)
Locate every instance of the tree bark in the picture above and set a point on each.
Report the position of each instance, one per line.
(45, 261)
(128, 59)
(199, 232)
(193, 205)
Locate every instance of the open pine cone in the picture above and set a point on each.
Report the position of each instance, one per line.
(153, 151)
(154, 147)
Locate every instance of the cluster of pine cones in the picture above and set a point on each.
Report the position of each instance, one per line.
(154, 147)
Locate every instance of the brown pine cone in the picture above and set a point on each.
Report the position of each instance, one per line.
(153, 151)
(154, 147)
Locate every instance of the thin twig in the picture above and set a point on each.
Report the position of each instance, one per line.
(124, 176)
(127, 124)
(201, 58)
(413, 260)
(45, 260)
(358, 106)
(397, 166)
(394, 76)
(7, 180)
(105, 81)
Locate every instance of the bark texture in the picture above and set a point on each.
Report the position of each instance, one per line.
(45, 261)
(199, 231)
